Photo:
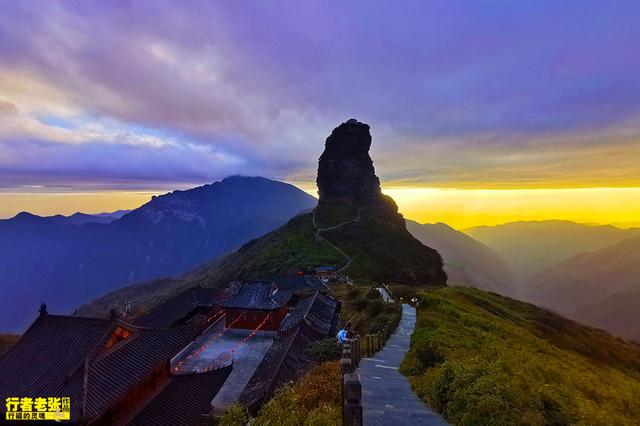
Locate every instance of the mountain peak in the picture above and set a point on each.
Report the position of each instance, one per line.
(345, 169)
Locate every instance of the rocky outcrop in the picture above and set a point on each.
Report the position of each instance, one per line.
(345, 169)
(354, 215)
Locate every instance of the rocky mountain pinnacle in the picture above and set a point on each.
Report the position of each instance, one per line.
(345, 169)
(363, 223)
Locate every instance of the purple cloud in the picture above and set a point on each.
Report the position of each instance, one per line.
(174, 94)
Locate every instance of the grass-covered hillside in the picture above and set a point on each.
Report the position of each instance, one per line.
(364, 309)
(479, 358)
(384, 251)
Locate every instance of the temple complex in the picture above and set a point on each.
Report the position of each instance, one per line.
(183, 362)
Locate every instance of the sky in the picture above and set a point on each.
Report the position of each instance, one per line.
(481, 112)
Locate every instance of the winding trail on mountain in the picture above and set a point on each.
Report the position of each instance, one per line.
(331, 228)
(387, 398)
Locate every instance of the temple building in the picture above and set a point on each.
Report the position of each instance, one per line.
(254, 304)
(105, 366)
(180, 363)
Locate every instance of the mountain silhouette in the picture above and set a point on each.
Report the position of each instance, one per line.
(56, 260)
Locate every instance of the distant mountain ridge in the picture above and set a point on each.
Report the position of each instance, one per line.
(600, 288)
(66, 261)
(590, 273)
(529, 247)
(467, 261)
(75, 219)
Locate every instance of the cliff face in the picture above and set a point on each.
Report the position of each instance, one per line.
(345, 169)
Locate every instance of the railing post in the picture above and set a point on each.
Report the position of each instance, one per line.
(352, 400)
(363, 345)
(353, 353)
(345, 363)
(356, 350)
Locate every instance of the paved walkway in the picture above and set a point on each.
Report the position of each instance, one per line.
(387, 398)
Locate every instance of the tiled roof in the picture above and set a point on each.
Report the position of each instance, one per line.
(322, 314)
(49, 358)
(111, 375)
(174, 309)
(286, 361)
(297, 314)
(317, 311)
(298, 282)
(251, 295)
(183, 400)
(53, 355)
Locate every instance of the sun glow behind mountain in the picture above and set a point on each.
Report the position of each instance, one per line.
(464, 208)
(459, 208)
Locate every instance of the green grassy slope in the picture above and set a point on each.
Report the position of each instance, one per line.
(479, 358)
(381, 247)
(292, 246)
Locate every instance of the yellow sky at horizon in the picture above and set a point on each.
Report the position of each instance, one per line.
(465, 208)
(459, 208)
(66, 203)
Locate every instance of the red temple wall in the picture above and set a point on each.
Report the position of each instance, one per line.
(253, 318)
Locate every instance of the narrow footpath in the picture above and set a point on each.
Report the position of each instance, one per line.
(331, 228)
(387, 398)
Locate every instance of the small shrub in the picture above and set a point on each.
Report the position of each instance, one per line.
(324, 415)
(313, 400)
(375, 307)
(321, 386)
(325, 350)
(236, 415)
(428, 355)
(281, 410)
(403, 291)
(353, 293)
(361, 304)
(373, 294)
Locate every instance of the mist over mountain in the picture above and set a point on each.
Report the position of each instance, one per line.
(82, 218)
(467, 261)
(66, 261)
(587, 272)
(530, 247)
(600, 288)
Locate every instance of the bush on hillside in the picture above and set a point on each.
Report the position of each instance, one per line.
(313, 400)
(366, 313)
(373, 294)
(481, 359)
(235, 415)
(325, 350)
(403, 291)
